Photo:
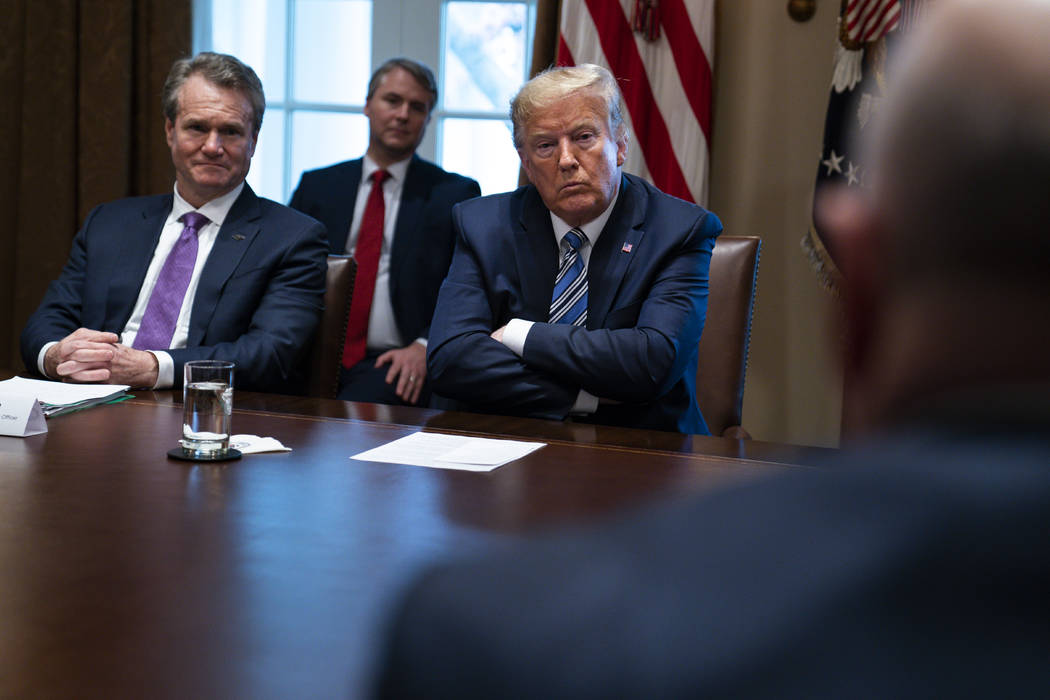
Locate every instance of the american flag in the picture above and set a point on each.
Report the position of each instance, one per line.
(659, 51)
(868, 32)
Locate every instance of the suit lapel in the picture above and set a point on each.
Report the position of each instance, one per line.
(344, 202)
(615, 250)
(236, 235)
(537, 256)
(409, 224)
(137, 246)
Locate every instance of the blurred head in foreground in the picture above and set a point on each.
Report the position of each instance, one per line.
(946, 253)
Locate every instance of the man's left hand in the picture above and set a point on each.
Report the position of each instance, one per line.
(408, 367)
(136, 368)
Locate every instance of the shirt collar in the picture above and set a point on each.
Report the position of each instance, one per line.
(397, 171)
(216, 210)
(592, 229)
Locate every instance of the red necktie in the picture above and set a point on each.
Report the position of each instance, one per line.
(366, 253)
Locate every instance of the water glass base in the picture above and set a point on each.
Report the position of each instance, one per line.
(190, 456)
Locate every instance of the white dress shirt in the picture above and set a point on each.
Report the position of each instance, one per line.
(216, 210)
(517, 330)
(383, 333)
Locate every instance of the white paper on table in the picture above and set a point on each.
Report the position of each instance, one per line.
(60, 393)
(253, 444)
(450, 451)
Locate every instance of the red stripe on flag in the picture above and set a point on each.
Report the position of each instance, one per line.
(693, 67)
(614, 34)
(865, 16)
(884, 23)
(851, 16)
(874, 23)
(564, 54)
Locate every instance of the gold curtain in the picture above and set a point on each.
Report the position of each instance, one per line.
(82, 124)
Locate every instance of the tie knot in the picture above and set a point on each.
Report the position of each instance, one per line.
(575, 238)
(379, 176)
(194, 220)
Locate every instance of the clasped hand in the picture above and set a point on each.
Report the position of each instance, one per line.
(86, 356)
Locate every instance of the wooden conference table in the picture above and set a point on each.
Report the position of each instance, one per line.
(126, 574)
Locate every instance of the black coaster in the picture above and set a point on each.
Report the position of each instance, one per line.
(187, 456)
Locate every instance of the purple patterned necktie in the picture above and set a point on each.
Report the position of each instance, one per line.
(162, 311)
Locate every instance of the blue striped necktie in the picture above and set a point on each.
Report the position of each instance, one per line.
(569, 301)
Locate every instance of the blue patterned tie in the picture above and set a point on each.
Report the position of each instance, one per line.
(165, 302)
(569, 302)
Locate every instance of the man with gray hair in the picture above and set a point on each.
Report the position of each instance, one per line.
(584, 293)
(210, 271)
(914, 566)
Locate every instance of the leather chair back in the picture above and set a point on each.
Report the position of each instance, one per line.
(727, 333)
(326, 355)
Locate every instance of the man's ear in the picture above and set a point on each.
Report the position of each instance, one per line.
(621, 146)
(851, 231)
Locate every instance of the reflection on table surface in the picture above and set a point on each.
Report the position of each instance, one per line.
(126, 573)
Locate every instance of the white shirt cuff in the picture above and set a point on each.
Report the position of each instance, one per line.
(421, 341)
(515, 333)
(40, 357)
(165, 366)
(585, 405)
(165, 369)
(514, 336)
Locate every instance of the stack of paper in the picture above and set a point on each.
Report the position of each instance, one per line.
(56, 398)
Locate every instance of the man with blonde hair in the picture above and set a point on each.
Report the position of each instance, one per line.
(582, 294)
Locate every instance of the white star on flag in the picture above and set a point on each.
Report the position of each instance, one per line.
(852, 174)
(833, 162)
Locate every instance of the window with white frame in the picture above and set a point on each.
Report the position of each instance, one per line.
(314, 58)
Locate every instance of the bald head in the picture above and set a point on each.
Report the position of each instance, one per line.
(962, 153)
(946, 255)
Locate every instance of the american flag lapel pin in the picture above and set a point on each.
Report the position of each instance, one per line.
(626, 248)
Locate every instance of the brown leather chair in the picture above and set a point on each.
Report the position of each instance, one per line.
(326, 355)
(727, 334)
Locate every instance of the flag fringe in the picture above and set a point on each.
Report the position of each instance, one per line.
(820, 260)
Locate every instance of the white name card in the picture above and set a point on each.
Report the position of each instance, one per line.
(21, 416)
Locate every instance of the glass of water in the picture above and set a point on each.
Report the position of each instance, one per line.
(207, 404)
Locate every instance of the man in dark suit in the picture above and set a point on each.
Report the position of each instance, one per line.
(583, 293)
(918, 566)
(385, 355)
(209, 272)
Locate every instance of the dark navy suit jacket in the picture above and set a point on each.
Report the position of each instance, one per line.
(423, 239)
(647, 298)
(914, 568)
(258, 301)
